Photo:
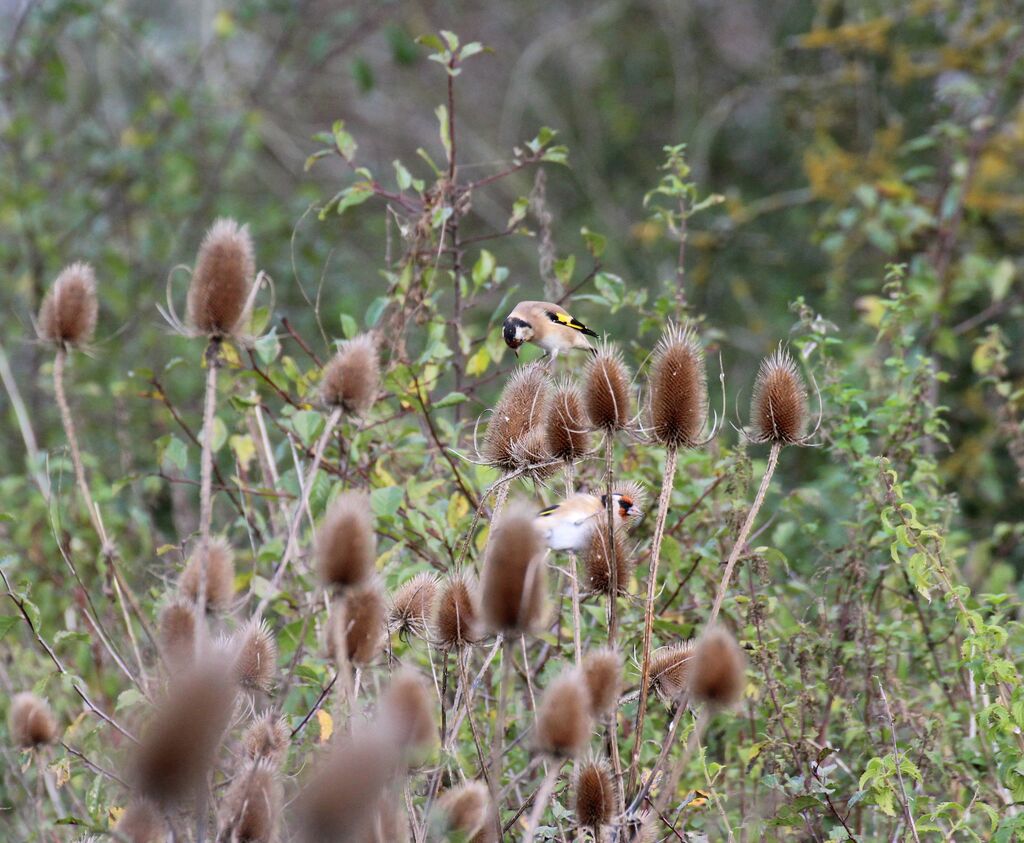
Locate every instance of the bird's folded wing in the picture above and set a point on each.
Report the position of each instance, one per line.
(569, 322)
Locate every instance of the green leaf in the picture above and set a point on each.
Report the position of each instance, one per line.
(6, 623)
(353, 196)
(375, 311)
(176, 453)
(450, 400)
(385, 501)
(446, 138)
(343, 141)
(484, 267)
(307, 424)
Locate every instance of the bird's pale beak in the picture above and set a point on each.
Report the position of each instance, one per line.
(634, 512)
(515, 351)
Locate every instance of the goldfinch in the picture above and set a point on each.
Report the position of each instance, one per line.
(567, 525)
(547, 325)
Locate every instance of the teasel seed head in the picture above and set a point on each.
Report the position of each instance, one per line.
(340, 798)
(563, 717)
(178, 634)
(30, 721)
(412, 604)
(267, 738)
(678, 386)
(514, 580)
(521, 407)
(602, 672)
(779, 407)
(346, 545)
(597, 563)
(717, 670)
(141, 823)
(359, 624)
(606, 389)
(69, 310)
(219, 295)
(251, 810)
(408, 707)
(220, 575)
(469, 812)
(670, 669)
(256, 656)
(595, 794)
(351, 379)
(566, 424)
(391, 822)
(181, 738)
(455, 621)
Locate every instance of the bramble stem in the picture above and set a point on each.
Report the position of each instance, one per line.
(741, 539)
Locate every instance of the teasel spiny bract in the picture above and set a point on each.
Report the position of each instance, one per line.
(597, 561)
(251, 809)
(467, 810)
(565, 426)
(255, 656)
(412, 604)
(521, 408)
(595, 795)
(717, 670)
(670, 669)
(267, 737)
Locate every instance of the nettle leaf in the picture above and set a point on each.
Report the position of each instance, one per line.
(307, 424)
(385, 501)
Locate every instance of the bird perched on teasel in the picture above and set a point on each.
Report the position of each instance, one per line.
(545, 324)
(568, 525)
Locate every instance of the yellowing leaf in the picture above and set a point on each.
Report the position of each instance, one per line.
(244, 448)
(115, 813)
(326, 725)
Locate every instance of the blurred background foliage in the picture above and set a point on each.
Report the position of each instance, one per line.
(841, 138)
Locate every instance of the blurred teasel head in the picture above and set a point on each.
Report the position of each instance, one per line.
(678, 389)
(346, 545)
(267, 738)
(602, 673)
(514, 580)
(251, 809)
(564, 723)
(255, 656)
(670, 668)
(597, 560)
(69, 310)
(408, 707)
(778, 412)
(717, 670)
(467, 811)
(412, 603)
(141, 823)
(594, 794)
(220, 575)
(220, 294)
(358, 625)
(351, 379)
(606, 389)
(30, 721)
(178, 634)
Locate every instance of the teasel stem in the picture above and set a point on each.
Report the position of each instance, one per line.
(206, 469)
(574, 582)
(540, 801)
(663, 756)
(669, 789)
(106, 546)
(498, 739)
(613, 596)
(741, 539)
(667, 481)
(307, 486)
(460, 658)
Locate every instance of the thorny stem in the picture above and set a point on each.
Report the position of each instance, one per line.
(741, 539)
(669, 788)
(498, 739)
(540, 801)
(206, 471)
(574, 582)
(307, 486)
(670, 739)
(613, 573)
(667, 482)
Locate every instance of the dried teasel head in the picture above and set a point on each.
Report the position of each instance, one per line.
(670, 668)
(351, 378)
(602, 673)
(68, 313)
(340, 797)
(358, 625)
(717, 670)
(594, 794)
(220, 575)
(521, 407)
(678, 386)
(778, 411)
(531, 456)
(183, 734)
(514, 580)
(564, 723)
(412, 604)
(565, 426)
(597, 560)
(178, 634)
(219, 296)
(408, 707)
(251, 809)
(606, 389)
(30, 721)
(267, 738)
(390, 824)
(141, 823)
(255, 656)
(346, 545)
(455, 620)
(467, 810)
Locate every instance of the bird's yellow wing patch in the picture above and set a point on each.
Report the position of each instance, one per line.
(548, 510)
(569, 322)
